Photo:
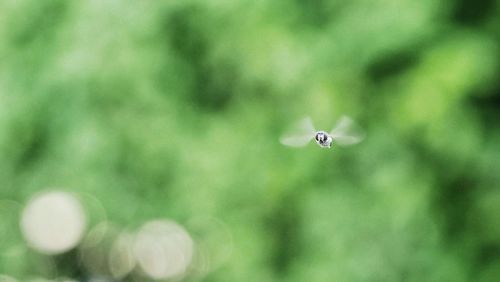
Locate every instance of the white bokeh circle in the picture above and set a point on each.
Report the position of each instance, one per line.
(53, 222)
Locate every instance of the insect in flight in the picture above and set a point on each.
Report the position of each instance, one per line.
(345, 133)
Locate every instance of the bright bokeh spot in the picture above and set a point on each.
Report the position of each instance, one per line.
(53, 222)
(163, 249)
(121, 259)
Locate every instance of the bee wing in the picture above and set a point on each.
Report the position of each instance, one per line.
(299, 134)
(347, 132)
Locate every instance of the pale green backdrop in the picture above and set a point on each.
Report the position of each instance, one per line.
(173, 109)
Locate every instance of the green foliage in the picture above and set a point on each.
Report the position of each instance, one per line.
(173, 109)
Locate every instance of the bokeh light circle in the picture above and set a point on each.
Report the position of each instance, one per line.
(121, 259)
(163, 249)
(53, 222)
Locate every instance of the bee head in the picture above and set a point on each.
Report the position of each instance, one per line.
(320, 137)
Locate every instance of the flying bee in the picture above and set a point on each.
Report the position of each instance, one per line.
(345, 133)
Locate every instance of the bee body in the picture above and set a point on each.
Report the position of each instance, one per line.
(323, 139)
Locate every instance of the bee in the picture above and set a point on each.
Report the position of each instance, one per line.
(345, 133)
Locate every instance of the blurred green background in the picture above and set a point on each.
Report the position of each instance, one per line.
(173, 109)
